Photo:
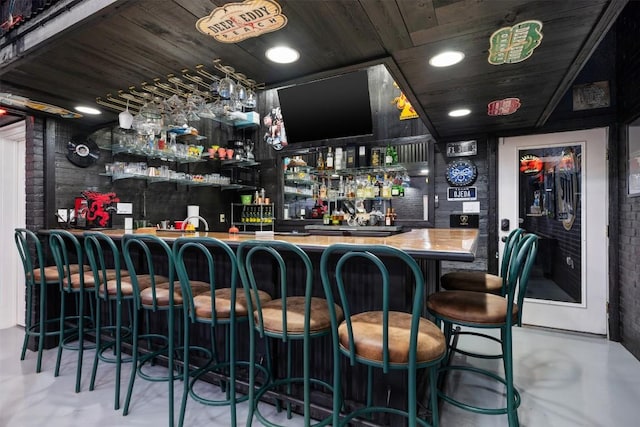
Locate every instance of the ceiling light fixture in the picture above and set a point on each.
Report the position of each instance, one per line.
(282, 54)
(87, 110)
(446, 59)
(460, 112)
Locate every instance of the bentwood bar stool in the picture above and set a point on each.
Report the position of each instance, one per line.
(113, 290)
(482, 311)
(293, 314)
(480, 281)
(39, 278)
(221, 307)
(379, 336)
(68, 253)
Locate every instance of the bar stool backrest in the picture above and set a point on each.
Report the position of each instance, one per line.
(257, 250)
(139, 256)
(97, 247)
(31, 255)
(519, 271)
(509, 245)
(67, 251)
(374, 256)
(188, 247)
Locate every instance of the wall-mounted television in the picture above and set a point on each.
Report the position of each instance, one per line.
(335, 107)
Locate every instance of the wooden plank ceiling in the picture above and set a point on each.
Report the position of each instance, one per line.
(129, 42)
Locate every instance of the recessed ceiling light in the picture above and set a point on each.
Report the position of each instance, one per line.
(445, 59)
(460, 113)
(282, 54)
(88, 110)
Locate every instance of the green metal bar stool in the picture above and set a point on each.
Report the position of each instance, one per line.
(223, 305)
(38, 278)
(482, 311)
(68, 253)
(102, 252)
(289, 316)
(146, 255)
(479, 281)
(380, 337)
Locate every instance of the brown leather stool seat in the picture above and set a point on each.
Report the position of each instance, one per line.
(319, 319)
(202, 303)
(470, 306)
(89, 280)
(126, 285)
(368, 337)
(51, 272)
(162, 292)
(475, 281)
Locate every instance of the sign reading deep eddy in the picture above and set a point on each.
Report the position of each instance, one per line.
(235, 22)
(510, 45)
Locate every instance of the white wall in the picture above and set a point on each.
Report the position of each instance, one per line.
(12, 215)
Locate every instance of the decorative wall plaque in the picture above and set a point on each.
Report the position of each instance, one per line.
(592, 95)
(462, 148)
(503, 107)
(403, 104)
(510, 45)
(464, 221)
(235, 22)
(462, 194)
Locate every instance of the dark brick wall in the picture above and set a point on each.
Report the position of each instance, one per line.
(628, 267)
(446, 208)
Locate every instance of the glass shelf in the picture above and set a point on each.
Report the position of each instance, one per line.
(154, 179)
(359, 171)
(156, 154)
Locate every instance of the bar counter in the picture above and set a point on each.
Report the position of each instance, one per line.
(442, 244)
(427, 246)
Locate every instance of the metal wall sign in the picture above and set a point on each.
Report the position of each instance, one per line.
(234, 22)
(462, 148)
(503, 107)
(510, 45)
(591, 95)
(462, 194)
(464, 221)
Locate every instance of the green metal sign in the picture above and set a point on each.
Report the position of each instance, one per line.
(510, 45)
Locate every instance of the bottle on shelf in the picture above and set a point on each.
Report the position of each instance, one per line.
(388, 158)
(322, 194)
(389, 218)
(320, 162)
(338, 163)
(329, 162)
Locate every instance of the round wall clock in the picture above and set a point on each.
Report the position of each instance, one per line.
(461, 173)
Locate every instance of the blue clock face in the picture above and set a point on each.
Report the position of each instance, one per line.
(461, 173)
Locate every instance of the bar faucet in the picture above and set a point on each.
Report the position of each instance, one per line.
(186, 220)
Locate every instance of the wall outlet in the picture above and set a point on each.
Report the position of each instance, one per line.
(63, 215)
(222, 219)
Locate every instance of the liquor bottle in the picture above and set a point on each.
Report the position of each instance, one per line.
(388, 158)
(329, 163)
(388, 218)
(323, 191)
(320, 162)
(338, 162)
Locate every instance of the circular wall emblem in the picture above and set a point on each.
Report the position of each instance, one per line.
(461, 173)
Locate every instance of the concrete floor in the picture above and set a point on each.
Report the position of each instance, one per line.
(564, 379)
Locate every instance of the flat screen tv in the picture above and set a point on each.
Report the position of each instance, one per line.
(336, 107)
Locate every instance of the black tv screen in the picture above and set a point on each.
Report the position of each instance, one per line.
(336, 107)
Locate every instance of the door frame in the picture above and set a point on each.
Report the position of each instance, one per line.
(12, 290)
(604, 135)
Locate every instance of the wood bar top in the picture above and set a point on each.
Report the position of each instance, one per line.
(452, 244)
